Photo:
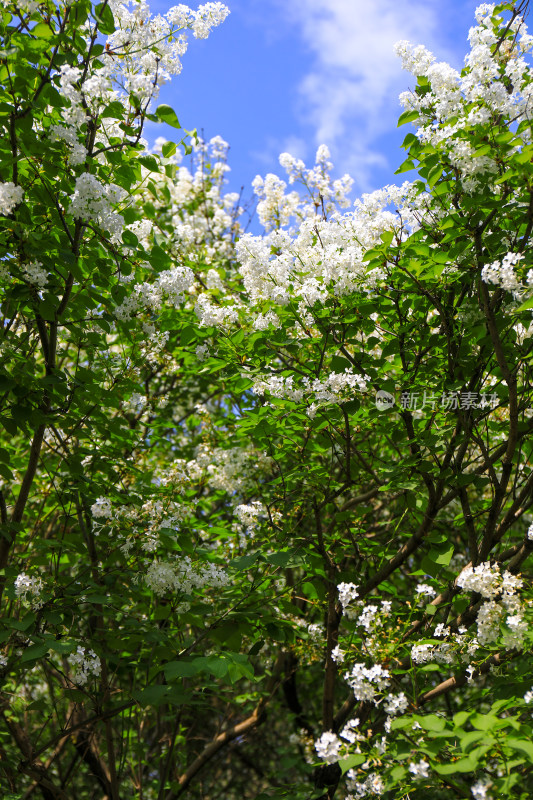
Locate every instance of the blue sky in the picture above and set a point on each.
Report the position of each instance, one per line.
(288, 75)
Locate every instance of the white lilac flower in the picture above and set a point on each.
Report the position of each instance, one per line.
(368, 617)
(163, 577)
(248, 514)
(94, 201)
(85, 664)
(328, 747)
(349, 732)
(347, 593)
(421, 653)
(202, 350)
(419, 769)
(35, 274)
(29, 589)
(426, 590)
(102, 508)
(337, 655)
(485, 578)
(489, 619)
(480, 790)
(366, 682)
(10, 196)
(395, 704)
(501, 273)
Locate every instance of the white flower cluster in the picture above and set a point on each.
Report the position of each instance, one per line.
(502, 603)
(322, 194)
(366, 682)
(275, 208)
(264, 321)
(328, 747)
(425, 590)
(203, 217)
(487, 580)
(419, 769)
(68, 133)
(75, 115)
(169, 285)
(248, 514)
(163, 577)
(336, 388)
(232, 470)
(102, 508)
(315, 633)
(10, 196)
(442, 653)
(326, 257)
(94, 202)
(495, 83)
(35, 274)
(350, 732)
(395, 703)
(145, 51)
(421, 653)
(215, 314)
(85, 664)
(29, 590)
(372, 785)
(338, 654)
(480, 789)
(140, 56)
(347, 593)
(373, 616)
(278, 386)
(132, 524)
(502, 274)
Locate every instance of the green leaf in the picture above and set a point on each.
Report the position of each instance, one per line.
(351, 761)
(431, 722)
(150, 162)
(151, 696)
(443, 555)
(245, 562)
(169, 149)
(104, 17)
(525, 745)
(407, 116)
(524, 306)
(43, 31)
(181, 669)
(407, 166)
(114, 110)
(5, 472)
(462, 765)
(167, 114)
(34, 652)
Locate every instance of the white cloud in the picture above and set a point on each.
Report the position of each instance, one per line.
(350, 92)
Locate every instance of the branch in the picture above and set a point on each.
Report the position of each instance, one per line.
(256, 717)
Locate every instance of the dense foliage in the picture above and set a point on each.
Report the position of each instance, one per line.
(266, 500)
